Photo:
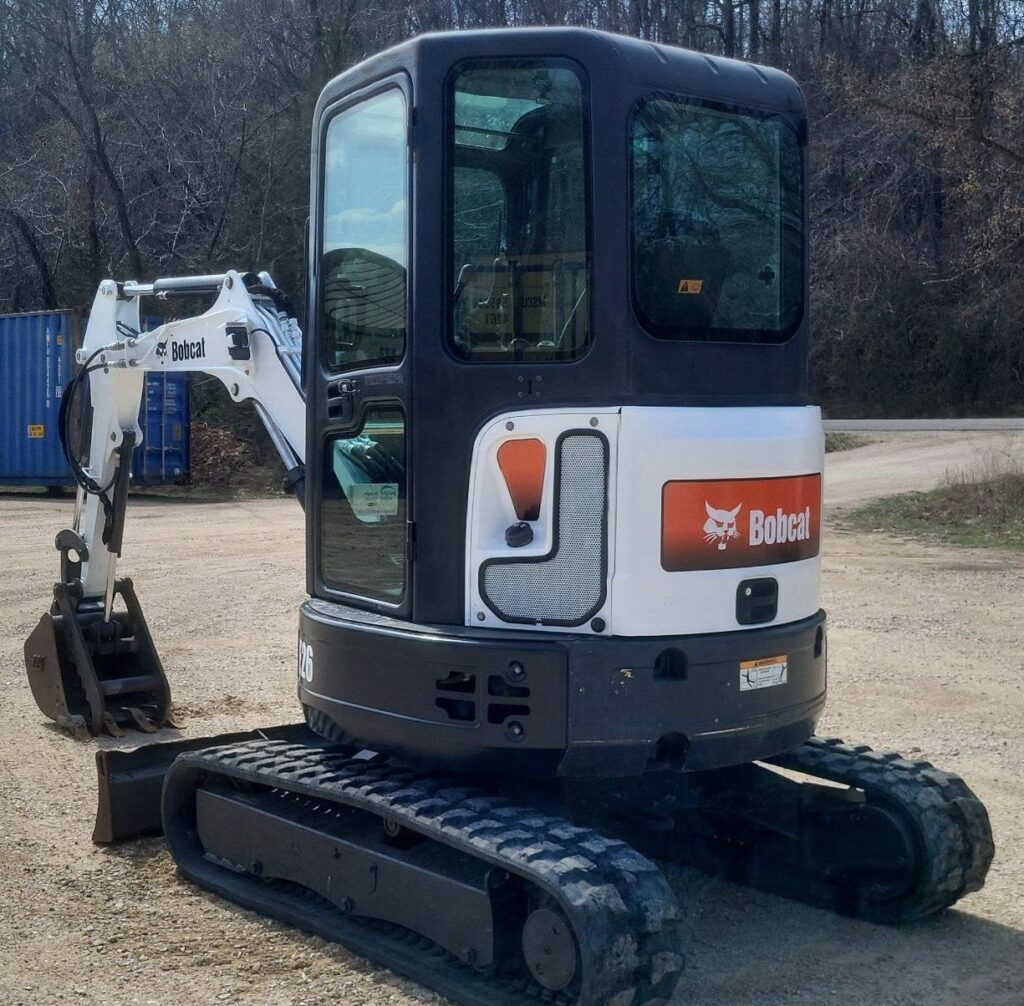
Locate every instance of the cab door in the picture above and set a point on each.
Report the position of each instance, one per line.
(359, 508)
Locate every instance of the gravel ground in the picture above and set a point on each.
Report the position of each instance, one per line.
(926, 655)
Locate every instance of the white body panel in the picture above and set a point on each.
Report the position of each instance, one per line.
(659, 445)
(649, 447)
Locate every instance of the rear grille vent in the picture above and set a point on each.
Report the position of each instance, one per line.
(457, 698)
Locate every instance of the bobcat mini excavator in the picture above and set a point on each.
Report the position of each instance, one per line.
(562, 486)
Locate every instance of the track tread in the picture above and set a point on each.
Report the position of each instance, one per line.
(950, 820)
(626, 920)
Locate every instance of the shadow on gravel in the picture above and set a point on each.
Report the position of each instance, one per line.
(745, 948)
(751, 949)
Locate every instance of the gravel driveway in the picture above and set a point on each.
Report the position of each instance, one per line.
(926, 655)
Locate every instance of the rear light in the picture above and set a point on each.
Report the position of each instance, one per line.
(522, 463)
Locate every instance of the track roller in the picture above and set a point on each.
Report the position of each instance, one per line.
(861, 832)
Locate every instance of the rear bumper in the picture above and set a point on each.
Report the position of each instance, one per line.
(499, 703)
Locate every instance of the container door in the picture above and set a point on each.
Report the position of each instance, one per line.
(36, 353)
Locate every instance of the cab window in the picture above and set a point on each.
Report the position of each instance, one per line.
(363, 508)
(519, 251)
(718, 235)
(364, 253)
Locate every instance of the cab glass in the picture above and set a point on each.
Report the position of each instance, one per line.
(717, 229)
(519, 250)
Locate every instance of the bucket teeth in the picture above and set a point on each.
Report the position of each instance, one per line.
(141, 720)
(75, 725)
(110, 725)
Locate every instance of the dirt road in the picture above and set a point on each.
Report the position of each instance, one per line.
(904, 462)
(926, 654)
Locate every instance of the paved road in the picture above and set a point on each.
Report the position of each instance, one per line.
(906, 462)
(920, 425)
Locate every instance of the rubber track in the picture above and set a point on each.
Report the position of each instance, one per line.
(626, 920)
(949, 820)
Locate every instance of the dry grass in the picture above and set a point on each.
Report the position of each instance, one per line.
(980, 506)
(835, 442)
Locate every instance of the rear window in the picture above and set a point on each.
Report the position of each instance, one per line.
(519, 211)
(717, 221)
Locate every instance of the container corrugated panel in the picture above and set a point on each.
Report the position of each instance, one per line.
(164, 418)
(36, 361)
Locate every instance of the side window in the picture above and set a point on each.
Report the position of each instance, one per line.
(518, 213)
(364, 252)
(363, 508)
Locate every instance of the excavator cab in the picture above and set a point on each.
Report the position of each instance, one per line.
(557, 318)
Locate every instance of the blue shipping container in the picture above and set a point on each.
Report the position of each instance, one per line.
(36, 362)
(37, 353)
(164, 454)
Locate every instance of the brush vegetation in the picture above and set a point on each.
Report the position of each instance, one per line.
(146, 138)
(835, 442)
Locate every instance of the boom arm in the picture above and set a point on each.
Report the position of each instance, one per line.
(92, 667)
(244, 340)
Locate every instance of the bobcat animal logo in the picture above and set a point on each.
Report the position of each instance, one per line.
(720, 526)
(161, 349)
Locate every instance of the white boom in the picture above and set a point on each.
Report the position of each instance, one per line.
(244, 339)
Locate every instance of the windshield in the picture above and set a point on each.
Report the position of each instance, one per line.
(717, 221)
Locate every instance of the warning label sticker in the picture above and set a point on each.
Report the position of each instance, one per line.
(764, 673)
(36, 431)
(373, 500)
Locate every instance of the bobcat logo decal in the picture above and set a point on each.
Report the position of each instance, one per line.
(720, 525)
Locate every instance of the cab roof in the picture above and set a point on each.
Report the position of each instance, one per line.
(617, 61)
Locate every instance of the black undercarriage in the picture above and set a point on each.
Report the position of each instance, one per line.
(531, 876)
(487, 900)
(542, 885)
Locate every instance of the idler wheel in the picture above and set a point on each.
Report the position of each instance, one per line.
(550, 949)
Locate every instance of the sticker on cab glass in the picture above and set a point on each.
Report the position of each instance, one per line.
(764, 673)
(691, 286)
(372, 500)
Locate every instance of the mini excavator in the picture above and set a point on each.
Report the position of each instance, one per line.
(550, 426)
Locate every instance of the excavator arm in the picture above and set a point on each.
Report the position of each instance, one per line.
(91, 661)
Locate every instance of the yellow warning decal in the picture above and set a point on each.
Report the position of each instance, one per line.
(690, 286)
(36, 431)
(763, 662)
(764, 673)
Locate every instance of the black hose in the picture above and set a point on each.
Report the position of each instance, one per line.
(82, 479)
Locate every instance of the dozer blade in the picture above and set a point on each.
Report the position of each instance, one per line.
(130, 780)
(88, 673)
